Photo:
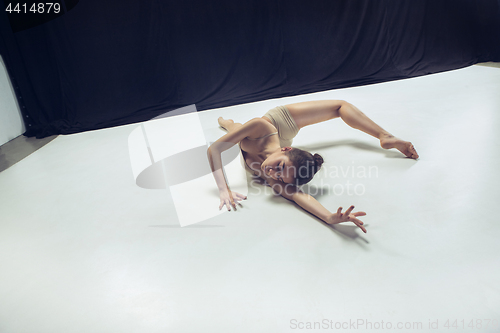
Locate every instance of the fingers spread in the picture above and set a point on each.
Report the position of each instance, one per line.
(360, 225)
(349, 210)
(357, 221)
(231, 204)
(239, 197)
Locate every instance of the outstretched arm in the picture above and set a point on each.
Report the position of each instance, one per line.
(310, 204)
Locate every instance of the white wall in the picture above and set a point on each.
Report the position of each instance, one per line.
(11, 123)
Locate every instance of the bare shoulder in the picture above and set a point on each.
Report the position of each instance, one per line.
(251, 128)
(255, 127)
(260, 127)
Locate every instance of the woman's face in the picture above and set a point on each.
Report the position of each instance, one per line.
(279, 167)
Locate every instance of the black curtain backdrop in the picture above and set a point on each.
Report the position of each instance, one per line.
(109, 63)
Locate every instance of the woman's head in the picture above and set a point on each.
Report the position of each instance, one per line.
(292, 165)
(305, 163)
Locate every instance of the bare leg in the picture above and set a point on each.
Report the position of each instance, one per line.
(228, 124)
(308, 113)
(353, 117)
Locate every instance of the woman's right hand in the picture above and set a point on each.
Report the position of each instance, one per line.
(340, 217)
(229, 198)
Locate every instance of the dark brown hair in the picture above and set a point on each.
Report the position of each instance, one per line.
(306, 164)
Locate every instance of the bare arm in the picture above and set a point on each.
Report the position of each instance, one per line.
(214, 158)
(311, 205)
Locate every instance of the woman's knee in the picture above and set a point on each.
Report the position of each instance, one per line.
(337, 105)
(343, 103)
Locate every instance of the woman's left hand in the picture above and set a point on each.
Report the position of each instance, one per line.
(340, 217)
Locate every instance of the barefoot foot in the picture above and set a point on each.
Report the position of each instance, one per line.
(405, 147)
(224, 123)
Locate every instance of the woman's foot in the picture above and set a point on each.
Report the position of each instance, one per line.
(389, 141)
(224, 123)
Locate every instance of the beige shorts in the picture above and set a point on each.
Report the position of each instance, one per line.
(284, 123)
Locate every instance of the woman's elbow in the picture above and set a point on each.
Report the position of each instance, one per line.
(210, 152)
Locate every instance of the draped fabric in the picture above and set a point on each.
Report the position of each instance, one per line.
(109, 63)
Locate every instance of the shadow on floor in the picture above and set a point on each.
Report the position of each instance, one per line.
(19, 148)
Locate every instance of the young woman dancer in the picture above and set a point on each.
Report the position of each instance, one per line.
(265, 146)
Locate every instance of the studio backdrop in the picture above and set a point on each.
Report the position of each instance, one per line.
(99, 64)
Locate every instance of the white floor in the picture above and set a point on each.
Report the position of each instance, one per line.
(84, 249)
